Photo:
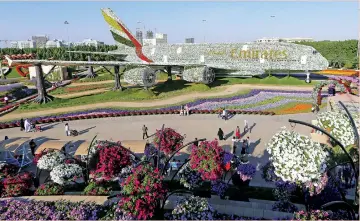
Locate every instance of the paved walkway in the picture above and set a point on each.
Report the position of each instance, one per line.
(194, 126)
(227, 90)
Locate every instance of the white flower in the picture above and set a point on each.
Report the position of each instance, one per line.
(64, 172)
(339, 126)
(50, 160)
(295, 157)
(193, 208)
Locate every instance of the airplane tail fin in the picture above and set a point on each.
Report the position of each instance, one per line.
(119, 31)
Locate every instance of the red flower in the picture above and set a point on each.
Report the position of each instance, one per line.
(170, 140)
(142, 191)
(206, 159)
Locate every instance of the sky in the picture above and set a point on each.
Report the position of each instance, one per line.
(225, 21)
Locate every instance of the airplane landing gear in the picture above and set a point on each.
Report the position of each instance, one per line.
(307, 80)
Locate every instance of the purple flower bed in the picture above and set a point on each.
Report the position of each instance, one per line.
(246, 171)
(256, 97)
(40, 210)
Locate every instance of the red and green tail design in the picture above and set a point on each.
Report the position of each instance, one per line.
(121, 34)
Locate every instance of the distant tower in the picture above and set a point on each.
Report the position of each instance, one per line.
(149, 35)
(139, 36)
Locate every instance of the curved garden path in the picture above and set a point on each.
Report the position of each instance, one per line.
(83, 93)
(227, 90)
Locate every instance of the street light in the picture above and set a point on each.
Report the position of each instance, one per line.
(204, 28)
(67, 32)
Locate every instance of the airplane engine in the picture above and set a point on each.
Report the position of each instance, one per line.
(203, 75)
(143, 76)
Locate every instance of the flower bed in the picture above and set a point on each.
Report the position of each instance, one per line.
(50, 160)
(48, 189)
(76, 89)
(18, 185)
(242, 104)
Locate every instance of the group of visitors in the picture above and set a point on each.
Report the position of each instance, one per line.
(26, 125)
(244, 145)
(184, 110)
(237, 139)
(237, 131)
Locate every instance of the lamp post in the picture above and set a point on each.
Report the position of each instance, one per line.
(67, 32)
(203, 21)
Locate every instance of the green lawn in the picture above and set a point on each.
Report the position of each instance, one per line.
(159, 91)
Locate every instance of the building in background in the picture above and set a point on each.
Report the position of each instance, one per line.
(89, 42)
(149, 34)
(288, 40)
(190, 40)
(40, 40)
(161, 38)
(55, 43)
(22, 44)
(139, 36)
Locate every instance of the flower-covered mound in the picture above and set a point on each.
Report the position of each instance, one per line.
(207, 160)
(50, 160)
(141, 192)
(48, 189)
(169, 140)
(338, 125)
(64, 173)
(246, 171)
(192, 208)
(296, 158)
(112, 159)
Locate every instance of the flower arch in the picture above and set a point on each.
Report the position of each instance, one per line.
(316, 94)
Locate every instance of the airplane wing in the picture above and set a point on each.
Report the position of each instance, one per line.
(89, 63)
(95, 52)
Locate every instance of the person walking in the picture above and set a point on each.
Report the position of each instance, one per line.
(187, 110)
(196, 143)
(144, 130)
(6, 99)
(67, 129)
(32, 145)
(220, 134)
(235, 143)
(22, 125)
(27, 125)
(237, 133)
(248, 145)
(246, 126)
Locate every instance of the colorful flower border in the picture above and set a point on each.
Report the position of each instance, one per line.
(196, 107)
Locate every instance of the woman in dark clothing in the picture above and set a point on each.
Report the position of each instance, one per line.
(220, 134)
(22, 125)
(32, 145)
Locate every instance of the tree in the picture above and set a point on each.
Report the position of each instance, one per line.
(42, 97)
(117, 78)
